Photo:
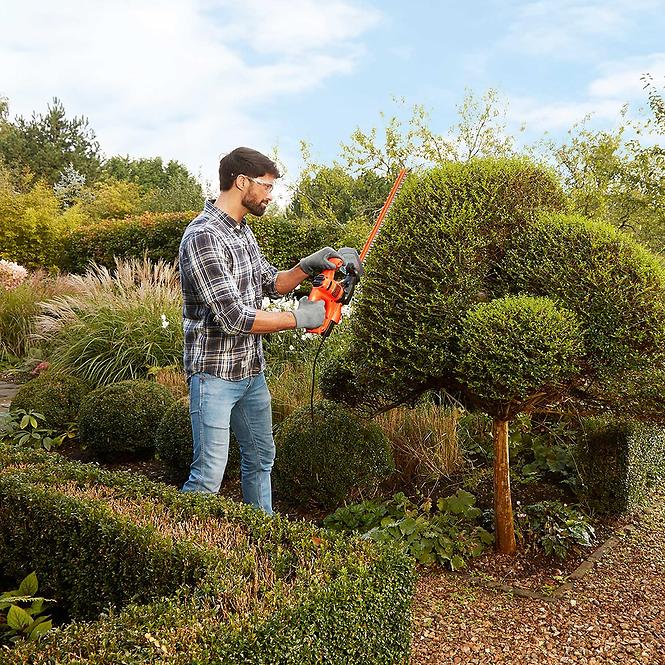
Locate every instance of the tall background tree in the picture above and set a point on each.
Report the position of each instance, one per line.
(47, 144)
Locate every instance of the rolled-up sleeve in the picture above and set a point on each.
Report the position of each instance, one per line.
(206, 265)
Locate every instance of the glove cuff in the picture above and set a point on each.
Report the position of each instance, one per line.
(305, 268)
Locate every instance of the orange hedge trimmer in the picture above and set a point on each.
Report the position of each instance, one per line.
(334, 293)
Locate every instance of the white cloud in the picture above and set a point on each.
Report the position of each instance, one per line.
(558, 116)
(573, 29)
(184, 80)
(623, 78)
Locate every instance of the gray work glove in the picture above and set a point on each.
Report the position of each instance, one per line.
(318, 262)
(310, 313)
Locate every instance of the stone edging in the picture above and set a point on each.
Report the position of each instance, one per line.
(576, 575)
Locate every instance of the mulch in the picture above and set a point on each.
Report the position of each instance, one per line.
(614, 614)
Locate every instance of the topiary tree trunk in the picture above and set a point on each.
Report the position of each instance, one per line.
(503, 507)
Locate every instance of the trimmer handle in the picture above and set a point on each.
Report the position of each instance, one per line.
(326, 288)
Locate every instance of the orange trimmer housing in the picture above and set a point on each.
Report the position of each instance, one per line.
(331, 292)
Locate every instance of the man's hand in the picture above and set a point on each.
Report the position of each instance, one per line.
(310, 313)
(317, 262)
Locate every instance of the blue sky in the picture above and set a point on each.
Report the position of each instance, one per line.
(190, 80)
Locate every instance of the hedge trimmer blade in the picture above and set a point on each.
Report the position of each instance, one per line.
(382, 215)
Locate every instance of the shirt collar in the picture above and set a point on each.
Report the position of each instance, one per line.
(224, 218)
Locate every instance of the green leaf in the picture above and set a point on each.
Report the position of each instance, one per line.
(24, 421)
(407, 526)
(18, 618)
(29, 585)
(40, 627)
(33, 421)
(457, 562)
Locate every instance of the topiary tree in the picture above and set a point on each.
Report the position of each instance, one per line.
(481, 287)
(123, 417)
(321, 458)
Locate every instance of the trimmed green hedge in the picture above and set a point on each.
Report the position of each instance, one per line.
(284, 241)
(123, 416)
(155, 234)
(619, 462)
(323, 457)
(185, 578)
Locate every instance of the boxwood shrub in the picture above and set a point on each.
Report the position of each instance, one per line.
(323, 458)
(174, 443)
(151, 575)
(56, 396)
(619, 462)
(123, 417)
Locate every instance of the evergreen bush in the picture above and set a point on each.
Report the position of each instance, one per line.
(480, 287)
(56, 396)
(619, 463)
(123, 417)
(152, 575)
(284, 241)
(174, 443)
(324, 458)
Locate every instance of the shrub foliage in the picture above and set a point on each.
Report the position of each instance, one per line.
(186, 579)
(323, 458)
(123, 417)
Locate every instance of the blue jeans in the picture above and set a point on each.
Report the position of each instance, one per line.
(216, 406)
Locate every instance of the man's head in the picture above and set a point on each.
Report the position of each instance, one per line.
(252, 174)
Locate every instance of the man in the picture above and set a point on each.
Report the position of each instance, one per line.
(224, 277)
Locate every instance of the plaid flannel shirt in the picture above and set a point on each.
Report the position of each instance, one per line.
(224, 277)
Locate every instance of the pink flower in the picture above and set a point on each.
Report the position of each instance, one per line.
(11, 274)
(43, 365)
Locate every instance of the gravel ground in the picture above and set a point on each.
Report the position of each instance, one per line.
(615, 614)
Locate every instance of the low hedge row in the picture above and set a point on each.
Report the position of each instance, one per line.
(619, 462)
(184, 578)
(157, 235)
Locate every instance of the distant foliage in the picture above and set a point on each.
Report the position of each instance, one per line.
(48, 144)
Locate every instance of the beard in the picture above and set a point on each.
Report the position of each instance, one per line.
(256, 207)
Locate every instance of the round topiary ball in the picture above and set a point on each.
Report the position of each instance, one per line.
(123, 417)
(174, 442)
(324, 459)
(56, 396)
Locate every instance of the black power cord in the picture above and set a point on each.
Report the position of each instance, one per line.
(316, 356)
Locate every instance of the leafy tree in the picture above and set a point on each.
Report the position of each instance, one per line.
(615, 175)
(47, 144)
(479, 132)
(481, 287)
(113, 199)
(331, 194)
(164, 187)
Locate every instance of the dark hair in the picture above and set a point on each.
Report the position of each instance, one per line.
(244, 161)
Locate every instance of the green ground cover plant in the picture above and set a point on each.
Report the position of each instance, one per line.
(22, 612)
(448, 533)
